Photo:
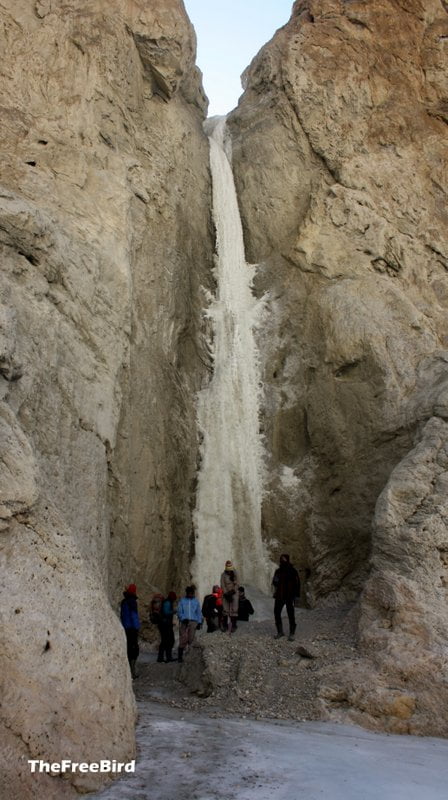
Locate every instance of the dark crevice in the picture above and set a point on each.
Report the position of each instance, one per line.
(32, 259)
(346, 369)
(358, 23)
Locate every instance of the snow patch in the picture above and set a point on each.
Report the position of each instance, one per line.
(289, 479)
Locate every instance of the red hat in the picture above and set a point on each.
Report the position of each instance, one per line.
(132, 589)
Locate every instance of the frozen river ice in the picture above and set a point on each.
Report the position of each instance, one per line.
(199, 757)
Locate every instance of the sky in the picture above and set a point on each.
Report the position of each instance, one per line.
(230, 33)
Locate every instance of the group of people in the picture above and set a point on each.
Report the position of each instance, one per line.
(221, 609)
(227, 603)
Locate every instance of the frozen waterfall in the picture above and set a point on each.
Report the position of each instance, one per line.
(228, 510)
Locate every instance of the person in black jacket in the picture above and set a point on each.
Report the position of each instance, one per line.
(286, 583)
(165, 626)
(210, 611)
(245, 608)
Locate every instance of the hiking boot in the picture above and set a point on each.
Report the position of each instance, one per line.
(279, 635)
(291, 637)
(160, 660)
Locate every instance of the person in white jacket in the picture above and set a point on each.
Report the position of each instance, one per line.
(190, 617)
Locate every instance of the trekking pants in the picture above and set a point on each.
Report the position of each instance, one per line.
(132, 643)
(278, 607)
(187, 630)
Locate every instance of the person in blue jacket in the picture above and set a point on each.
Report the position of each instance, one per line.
(190, 617)
(131, 624)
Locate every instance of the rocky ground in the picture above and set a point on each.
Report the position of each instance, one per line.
(250, 673)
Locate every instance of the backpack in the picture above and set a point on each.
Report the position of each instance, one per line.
(167, 609)
(155, 609)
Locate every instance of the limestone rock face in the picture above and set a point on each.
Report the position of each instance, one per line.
(105, 240)
(404, 621)
(401, 684)
(340, 146)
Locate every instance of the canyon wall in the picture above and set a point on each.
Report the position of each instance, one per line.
(340, 146)
(105, 240)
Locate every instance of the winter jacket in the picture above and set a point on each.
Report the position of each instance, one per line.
(218, 595)
(189, 609)
(129, 612)
(286, 583)
(229, 581)
(209, 606)
(245, 609)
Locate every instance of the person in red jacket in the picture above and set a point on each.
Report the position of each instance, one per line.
(217, 591)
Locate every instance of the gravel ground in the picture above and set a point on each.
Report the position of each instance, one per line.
(251, 674)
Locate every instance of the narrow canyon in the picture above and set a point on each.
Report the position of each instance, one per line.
(190, 374)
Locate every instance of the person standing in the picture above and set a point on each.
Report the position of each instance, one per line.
(286, 583)
(190, 616)
(165, 627)
(217, 591)
(229, 586)
(210, 611)
(131, 624)
(245, 607)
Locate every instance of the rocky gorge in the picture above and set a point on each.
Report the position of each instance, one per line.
(340, 151)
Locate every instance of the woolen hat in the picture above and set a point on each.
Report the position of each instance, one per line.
(132, 589)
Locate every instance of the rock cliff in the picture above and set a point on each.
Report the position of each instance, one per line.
(340, 146)
(105, 239)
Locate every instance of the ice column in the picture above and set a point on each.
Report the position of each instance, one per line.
(228, 509)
